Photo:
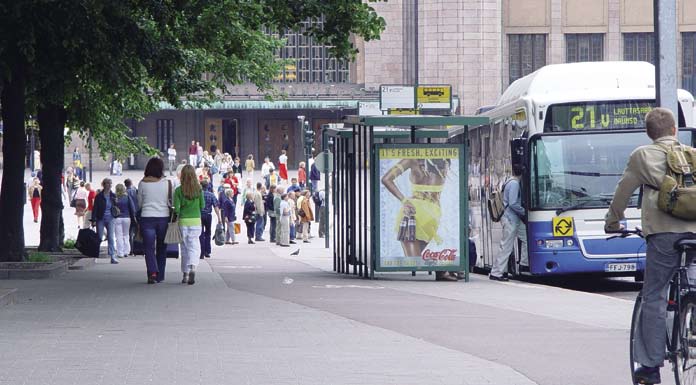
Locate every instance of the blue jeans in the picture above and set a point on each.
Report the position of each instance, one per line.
(109, 225)
(153, 230)
(292, 232)
(260, 223)
(206, 234)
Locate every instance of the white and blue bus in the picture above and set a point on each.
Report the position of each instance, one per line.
(573, 127)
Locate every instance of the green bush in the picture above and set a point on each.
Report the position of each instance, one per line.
(39, 257)
(69, 244)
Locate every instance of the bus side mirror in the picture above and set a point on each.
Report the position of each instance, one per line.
(518, 153)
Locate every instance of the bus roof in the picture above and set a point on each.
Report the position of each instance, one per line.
(564, 78)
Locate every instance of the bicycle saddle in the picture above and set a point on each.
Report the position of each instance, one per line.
(685, 244)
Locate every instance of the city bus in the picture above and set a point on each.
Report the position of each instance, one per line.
(572, 127)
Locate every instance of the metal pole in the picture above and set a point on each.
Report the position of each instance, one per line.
(308, 153)
(325, 147)
(90, 155)
(33, 147)
(415, 53)
(665, 13)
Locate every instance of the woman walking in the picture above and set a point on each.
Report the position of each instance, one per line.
(154, 201)
(103, 215)
(228, 211)
(35, 191)
(283, 166)
(91, 194)
(188, 202)
(249, 216)
(305, 220)
(81, 204)
(250, 166)
(284, 225)
(302, 175)
(122, 222)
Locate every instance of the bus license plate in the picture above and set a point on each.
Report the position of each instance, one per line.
(620, 267)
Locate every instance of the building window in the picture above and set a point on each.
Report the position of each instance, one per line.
(584, 47)
(165, 134)
(689, 61)
(639, 47)
(527, 54)
(309, 61)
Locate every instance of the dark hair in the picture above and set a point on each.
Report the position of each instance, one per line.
(517, 169)
(204, 184)
(258, 185)
(283, 196)
(127, 183)
(272, 188)
(154, 168)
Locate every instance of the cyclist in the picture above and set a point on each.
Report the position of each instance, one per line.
(647, 166)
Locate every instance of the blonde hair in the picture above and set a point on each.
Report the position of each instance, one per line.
(120, 190)
(189, 182)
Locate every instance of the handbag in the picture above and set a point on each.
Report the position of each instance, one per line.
(173, 235)
(115, 211)
(237, 227)
(219, 234)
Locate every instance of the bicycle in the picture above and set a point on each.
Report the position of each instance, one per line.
(681, 318)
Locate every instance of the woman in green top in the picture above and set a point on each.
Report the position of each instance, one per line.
(188, 202)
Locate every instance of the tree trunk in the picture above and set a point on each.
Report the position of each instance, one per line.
(13, 194)
(51, 120)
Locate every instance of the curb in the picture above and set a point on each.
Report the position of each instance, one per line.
(82, 264)
(7, 297)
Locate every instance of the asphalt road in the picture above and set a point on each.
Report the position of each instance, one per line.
(623, 288)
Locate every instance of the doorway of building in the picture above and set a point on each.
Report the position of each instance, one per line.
(229, 135)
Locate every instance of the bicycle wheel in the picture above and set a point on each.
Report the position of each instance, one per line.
(684, 363)
(634, 330)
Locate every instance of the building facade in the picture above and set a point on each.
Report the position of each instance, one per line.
(477, 46)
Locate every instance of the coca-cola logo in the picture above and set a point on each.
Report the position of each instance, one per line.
(442, 255)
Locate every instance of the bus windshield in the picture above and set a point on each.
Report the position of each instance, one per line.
(582, 169)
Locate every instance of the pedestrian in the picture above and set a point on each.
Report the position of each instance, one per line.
(81, 204)
(230, 215)
(513, 227)
(294, 186)
(199, 153)
(270, 212)
(266, 168)
(260, 212)
(277, 200)
(193, 154)
(171, 157)
(648, 166)
(103, 215)
(321, 213)
(249, 216)
(306, 215)
(154, 201)
(237, 167)
(272, 178)
(188, 203)
(211, 203)
(302, 176)
(76, 154)
(284, 223)
(122, 223)
(91, 195)
(250, 166)
(35, 191)
(248, 187)
(283, 166)
(314, 177)
(78, 169)
(293, 216)
(133, 194)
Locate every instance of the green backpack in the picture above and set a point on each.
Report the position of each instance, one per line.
(677, 192)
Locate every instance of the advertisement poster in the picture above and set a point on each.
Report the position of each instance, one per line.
(419, 212)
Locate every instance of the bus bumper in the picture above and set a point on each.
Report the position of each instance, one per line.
(574, 262)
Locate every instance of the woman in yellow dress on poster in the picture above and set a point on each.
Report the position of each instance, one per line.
(419, 218)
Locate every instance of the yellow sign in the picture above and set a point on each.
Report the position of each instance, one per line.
(402, 111)
(563, 227)
(434, 97)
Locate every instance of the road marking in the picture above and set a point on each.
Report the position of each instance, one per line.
(347, 287)
(288, 281)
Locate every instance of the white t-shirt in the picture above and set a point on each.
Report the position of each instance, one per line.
(266, 168)
(81, 193)
(284, 208)
(283, 159)
(172, 153)
(153, 198)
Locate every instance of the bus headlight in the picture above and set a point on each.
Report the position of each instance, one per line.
(570, 243)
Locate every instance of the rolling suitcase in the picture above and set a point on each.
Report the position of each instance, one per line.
(88, 243)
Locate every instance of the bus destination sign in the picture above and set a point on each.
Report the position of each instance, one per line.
(597, 116)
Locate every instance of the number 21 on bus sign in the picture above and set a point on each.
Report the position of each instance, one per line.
(579, 121)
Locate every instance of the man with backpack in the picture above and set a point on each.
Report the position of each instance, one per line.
(513, 221)
(665, 218)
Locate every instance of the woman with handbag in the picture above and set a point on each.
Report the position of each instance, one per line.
(154, 202)
(230, 215)
(122, 222)
(103, 214)
(80, 205)
(249, 216)
(188, 203)
(35, 192)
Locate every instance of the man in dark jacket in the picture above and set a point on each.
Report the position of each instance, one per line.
(133, 195)
(103, 215)
(314, 177)
(270, 211)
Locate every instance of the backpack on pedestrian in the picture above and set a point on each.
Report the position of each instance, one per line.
(496, 206)
(677, 192)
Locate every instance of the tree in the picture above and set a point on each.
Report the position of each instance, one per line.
(92, 64)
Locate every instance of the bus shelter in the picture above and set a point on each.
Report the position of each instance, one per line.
(397, 196)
